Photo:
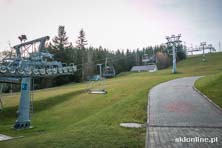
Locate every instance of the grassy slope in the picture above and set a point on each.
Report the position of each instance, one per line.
(68, 117)
(211, 86)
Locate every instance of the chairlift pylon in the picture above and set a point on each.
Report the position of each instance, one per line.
(26, 65)
(1, 104)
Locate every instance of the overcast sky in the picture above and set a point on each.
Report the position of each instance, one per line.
(114, 24)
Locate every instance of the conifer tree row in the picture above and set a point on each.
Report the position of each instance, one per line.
(86, 58)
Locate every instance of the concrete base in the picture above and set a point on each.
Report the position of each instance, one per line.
(4, 137)
(23, 119)
(22, 125)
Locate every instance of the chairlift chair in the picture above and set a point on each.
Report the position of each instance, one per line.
(42, 71)
(96, 85)
(36, 71)
(3, 69)
(109, 72)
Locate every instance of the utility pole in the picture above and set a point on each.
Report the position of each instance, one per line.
(219, 46)
(203, 44)
(173, 42)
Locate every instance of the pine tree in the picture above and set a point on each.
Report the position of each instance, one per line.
(60, 42)
(81, 43)
(60, 45)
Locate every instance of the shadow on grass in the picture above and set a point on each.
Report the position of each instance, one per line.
(177, 72)
(41, 105)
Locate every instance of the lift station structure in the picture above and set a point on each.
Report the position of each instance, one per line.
(31, 60)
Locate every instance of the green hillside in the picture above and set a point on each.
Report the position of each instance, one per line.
(69, 117)
(211, 86)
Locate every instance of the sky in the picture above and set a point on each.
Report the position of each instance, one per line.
(113, 24)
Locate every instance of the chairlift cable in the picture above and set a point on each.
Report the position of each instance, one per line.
(116, 59)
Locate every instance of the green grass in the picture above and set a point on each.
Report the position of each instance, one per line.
(69, 117)
(211, 86)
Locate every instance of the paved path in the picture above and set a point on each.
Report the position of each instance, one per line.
(176, 110)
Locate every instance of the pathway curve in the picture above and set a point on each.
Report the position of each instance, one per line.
(176, 112)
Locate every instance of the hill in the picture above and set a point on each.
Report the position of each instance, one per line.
(211, 87)
(69, 117)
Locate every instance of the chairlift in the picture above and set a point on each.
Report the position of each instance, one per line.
(11, 70)
(42, 71)
(96, 84)
(36, 71)
(3, 69)
(27, 63)
(1, 104)
(60, 70)
(65, 69)
(54, 71)
(49, 71)
(145, 58)
(20, 71)
(28, 70)
(108, 71)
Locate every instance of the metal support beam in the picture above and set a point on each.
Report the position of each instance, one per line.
(173, 41)
(203, 44)
(39, 63)
(174, 60)
(100, 69)
(23, 119)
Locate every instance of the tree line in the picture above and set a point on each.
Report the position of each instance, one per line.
(87, 58)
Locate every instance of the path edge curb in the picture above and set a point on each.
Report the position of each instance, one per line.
(147, 124)
(207, 98)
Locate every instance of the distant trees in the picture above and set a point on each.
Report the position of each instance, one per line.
(181, 52)
(86, 58)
